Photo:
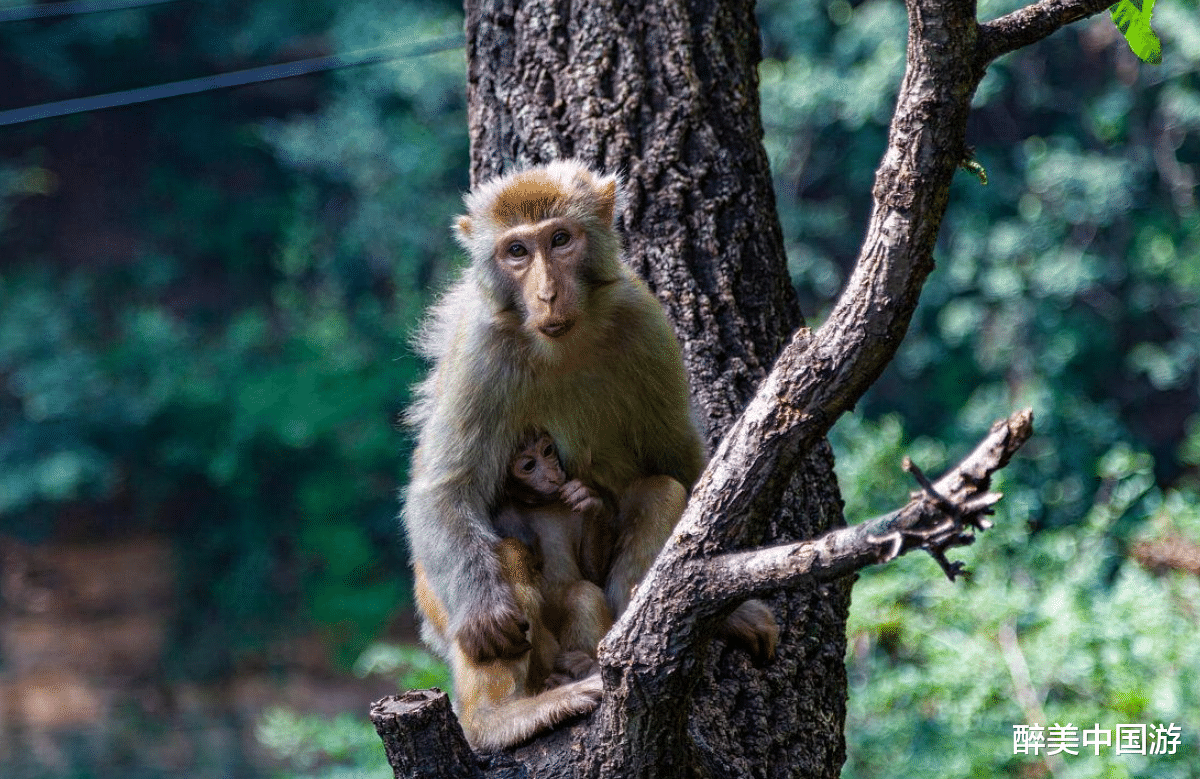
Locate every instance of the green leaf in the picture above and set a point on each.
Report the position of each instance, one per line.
(1132, 18)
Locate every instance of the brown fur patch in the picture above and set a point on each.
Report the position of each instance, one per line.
(427, 602)
(531, 198)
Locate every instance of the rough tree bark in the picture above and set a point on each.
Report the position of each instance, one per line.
(667, 92)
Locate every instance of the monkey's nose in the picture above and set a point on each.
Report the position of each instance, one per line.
(557, 329)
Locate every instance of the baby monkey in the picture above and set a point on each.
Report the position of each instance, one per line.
(568, 528)
(556, 540)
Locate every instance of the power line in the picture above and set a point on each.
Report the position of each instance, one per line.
(235, 78)
(46, 10)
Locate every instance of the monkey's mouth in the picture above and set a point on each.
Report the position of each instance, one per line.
(557, 329)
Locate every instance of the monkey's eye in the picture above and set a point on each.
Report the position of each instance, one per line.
(560, 238)
(517, 250)
(526, 465)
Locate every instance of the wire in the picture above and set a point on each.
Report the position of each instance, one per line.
(46, 10)
(233, 79)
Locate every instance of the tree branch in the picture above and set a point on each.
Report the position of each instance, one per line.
(1030, 24)
(938, 517)
(820, 374)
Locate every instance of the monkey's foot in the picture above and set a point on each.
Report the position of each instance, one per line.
(517, 720)
(570, 666)
(753, 626)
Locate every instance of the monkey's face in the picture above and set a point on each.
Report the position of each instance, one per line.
(537, 467)
(545, 262)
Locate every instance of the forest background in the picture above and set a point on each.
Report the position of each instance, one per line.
(204, 310)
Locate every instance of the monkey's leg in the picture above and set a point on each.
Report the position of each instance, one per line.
(435, 621)
(753, 626)
(497, 724)
(496, 704)
(647, 513)
(496, 711)
(586, 619)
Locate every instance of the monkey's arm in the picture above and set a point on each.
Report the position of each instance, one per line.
(472, 604)
(456, 472)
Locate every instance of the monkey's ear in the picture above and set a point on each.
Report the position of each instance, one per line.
(462, 226)
(606, 201)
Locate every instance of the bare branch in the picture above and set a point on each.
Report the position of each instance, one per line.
(1030, 24)
(938, 517)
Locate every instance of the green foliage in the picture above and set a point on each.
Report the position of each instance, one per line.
(941, 672)
(239, 440)
(1132, 18)
(1068, 284)
(414, 668)
(226, 363)
(345, 747)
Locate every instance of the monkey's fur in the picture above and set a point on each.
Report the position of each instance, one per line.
(503, 702)
(568, 527)
(548, 330)
(557, 539)
(564, 339)
(566, 524)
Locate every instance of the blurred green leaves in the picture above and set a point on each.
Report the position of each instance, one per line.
(414, 668)
(216, 351)
(347, 746)
(344, 747)
(1052, 626)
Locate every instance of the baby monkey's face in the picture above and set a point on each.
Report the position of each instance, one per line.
(537, 466)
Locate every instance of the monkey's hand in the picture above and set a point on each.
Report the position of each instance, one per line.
(496, 630)
(571, 665)
(753, 626)
(581, 498)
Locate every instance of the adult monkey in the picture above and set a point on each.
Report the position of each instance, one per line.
(547, 329)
